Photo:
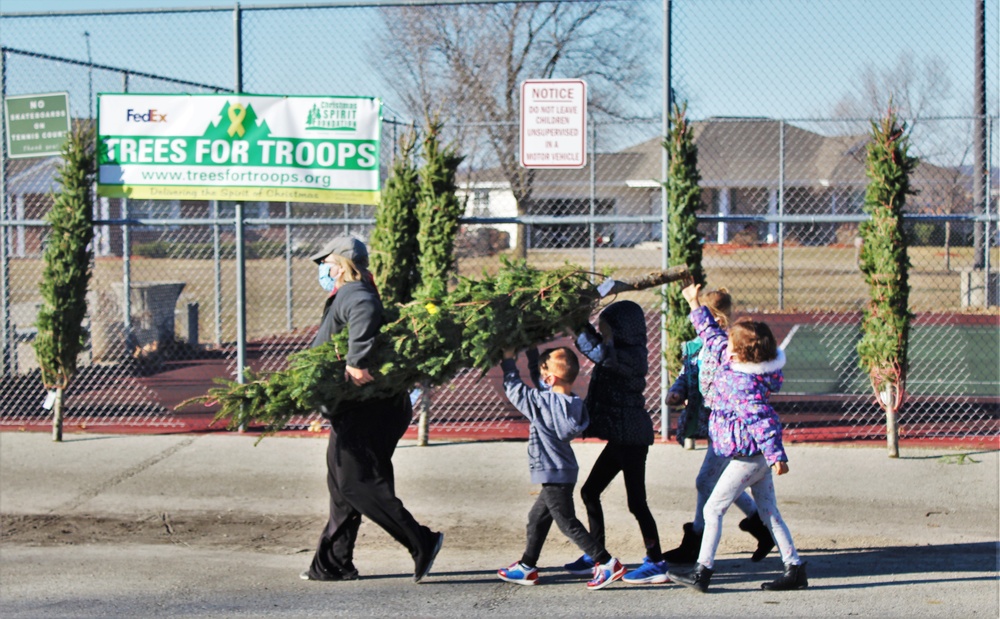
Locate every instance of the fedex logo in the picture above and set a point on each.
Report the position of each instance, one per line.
(152, 116)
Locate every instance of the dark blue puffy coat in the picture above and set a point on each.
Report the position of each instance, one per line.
(616, 399)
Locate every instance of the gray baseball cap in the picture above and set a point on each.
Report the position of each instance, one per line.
(346, 246)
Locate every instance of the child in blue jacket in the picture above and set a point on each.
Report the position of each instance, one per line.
(744, 427)
(557, 416)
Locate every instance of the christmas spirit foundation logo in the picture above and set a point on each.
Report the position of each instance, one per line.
(333, 116)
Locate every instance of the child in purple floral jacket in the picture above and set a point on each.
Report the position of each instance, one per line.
(693, 386)
(743, 426)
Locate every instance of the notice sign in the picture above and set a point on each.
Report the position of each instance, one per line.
(37, 125)
(553, 123)
(239, 147)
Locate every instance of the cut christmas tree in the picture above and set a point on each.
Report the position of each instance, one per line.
(885, 325)
(683, 239)
(66, 271)
(428, 342)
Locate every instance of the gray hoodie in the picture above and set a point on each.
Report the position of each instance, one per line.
(556, 419)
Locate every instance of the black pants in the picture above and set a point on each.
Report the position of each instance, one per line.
(555, 502)
(630, 460)
(361, 483)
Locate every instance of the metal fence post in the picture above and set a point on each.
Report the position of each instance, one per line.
(781, 214)
(238, 47)
(980, 156)
(217, 272)
(126, 260)
(664, 210)
(241, 295)
(289, 318)
(986, 209)
(423, 419)
(6, 345)
(593, 196)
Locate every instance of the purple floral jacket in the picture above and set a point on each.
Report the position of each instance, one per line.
(743, 423)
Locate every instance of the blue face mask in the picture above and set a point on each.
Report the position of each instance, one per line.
(327, 282)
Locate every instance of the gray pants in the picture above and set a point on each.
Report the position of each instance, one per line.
(711, 470)
(555, 502)
(740, 474)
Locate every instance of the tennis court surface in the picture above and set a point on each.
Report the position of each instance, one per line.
(952, 358)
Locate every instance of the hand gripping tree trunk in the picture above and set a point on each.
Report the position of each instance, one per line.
(66, 271)
(885, 324)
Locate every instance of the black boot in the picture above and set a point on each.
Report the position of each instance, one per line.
(697, 579)
(793, 578)
(687, 552)
(756, 527)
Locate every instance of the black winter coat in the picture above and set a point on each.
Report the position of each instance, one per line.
(616, 398)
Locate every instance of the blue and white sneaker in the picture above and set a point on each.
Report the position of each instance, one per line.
(519, 573)
(650, 573)
(584, 566)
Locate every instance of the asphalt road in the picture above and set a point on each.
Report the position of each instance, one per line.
(213, 526)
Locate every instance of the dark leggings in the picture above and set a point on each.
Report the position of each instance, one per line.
(555, 503)
(630, 460)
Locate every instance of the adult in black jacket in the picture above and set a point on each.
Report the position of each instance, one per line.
(363, 434)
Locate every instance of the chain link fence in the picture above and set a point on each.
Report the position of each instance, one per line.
(779, 92)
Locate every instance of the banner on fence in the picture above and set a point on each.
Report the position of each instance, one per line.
(239, 147)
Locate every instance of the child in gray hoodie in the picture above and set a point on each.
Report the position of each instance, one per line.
(557, 416)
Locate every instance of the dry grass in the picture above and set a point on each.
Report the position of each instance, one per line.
(815, 279)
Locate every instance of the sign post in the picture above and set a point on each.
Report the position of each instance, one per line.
(553, 124)
(37, 125)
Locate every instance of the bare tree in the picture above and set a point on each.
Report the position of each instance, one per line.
(919, 91)
(916, 90)
(465, 63)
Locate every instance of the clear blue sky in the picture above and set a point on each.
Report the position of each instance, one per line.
(103, 5)
(774, 58)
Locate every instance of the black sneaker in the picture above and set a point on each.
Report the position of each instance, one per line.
(424, 563)
(308, 575)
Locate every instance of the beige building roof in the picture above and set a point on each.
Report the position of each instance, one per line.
(731, 153)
